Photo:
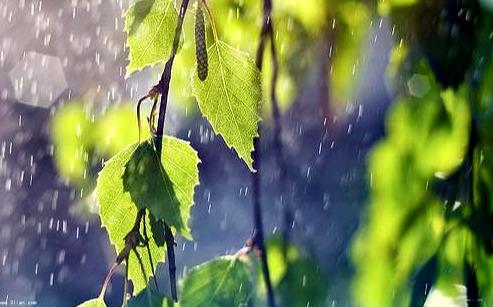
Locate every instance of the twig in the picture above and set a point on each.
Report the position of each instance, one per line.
(170, 248)
(144, 274)
(108, 278)
(278, 146)
(163, 89)
(132, 238)
(266, 34)
(125, 286)
(258, 234)
(146, 241)
(163, 86)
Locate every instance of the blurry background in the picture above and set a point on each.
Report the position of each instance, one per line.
(65, 106)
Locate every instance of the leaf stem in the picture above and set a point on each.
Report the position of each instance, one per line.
(108, 278)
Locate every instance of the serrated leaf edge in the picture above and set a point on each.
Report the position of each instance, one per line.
(128, 71)
(259, 105)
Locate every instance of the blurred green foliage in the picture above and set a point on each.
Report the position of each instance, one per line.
(82, 140)
(351, 31)
(71, 140)
(296, 278)
(431, 177)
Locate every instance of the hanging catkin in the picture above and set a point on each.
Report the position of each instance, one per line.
(200, 46)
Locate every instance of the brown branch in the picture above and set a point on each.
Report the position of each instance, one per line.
(162, 88)
(132, 238)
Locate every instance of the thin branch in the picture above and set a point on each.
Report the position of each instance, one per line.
(258, 234)
(163, 89)
(108, 278)
(146, 243)
(170, 248)
(278, 146)
(163, 86)
(125, 285)
(132, 238)
(267, 33)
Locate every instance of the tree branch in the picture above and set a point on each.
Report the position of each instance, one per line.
(258, 234)
(163, 86)
(163, 89)
(170, 248)
(146, 240)
(267, 33)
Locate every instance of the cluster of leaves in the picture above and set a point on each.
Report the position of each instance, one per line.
(429, 219)
(229, 94)
(235, 281)
(229, 97)
(162, 181)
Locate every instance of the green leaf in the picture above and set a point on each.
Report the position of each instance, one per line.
(167, 190)
(150, 298)
(118, 212)
(230, 97)
(224, 281)
(134, 179)
(150, 25)
(96, 302)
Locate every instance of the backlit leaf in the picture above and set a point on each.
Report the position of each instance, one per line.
(230, 97)
(220, 282)
(167, 190)
(118, 212)
(150, 26)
